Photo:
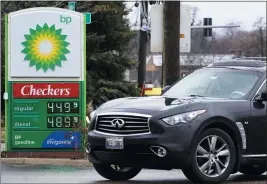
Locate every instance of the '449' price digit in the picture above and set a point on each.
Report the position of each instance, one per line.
(66, 107)
(63, 107)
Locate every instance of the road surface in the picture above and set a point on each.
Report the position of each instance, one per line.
(59, 174)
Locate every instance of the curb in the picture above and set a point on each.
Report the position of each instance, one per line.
(46, 161)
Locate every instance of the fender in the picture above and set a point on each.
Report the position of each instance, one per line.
(222, 123)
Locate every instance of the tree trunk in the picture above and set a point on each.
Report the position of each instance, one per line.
(171, 48)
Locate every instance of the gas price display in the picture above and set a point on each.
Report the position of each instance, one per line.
(62, 121)
(63, 107)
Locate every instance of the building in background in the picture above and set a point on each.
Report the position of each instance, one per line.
(189, 62)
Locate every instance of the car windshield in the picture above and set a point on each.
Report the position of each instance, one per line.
(216, 83)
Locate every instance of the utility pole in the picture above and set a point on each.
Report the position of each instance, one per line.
(171, 45)
(142, 42)
(261, 40)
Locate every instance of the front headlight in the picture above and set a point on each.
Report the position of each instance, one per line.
(183, 118)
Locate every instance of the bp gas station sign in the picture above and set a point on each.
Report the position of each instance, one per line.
(45, 80)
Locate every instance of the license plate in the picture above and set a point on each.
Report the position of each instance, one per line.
(114, 143)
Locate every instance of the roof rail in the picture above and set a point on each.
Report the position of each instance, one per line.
(252, 58)
(240, 63)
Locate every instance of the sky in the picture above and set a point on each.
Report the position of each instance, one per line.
(222, 13)
(225, 12)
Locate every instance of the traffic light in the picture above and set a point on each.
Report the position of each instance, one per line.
(207, 32)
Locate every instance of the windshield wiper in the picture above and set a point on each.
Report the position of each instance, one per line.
(196, 96)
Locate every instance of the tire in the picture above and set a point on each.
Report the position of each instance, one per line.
(227, 156)
(252, 170)
(110, 173)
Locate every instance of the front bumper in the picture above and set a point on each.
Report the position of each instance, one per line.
(137, 153)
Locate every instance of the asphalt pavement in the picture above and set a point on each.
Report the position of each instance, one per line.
(64, 174)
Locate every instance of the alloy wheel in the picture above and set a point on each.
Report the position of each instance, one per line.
(212, 156)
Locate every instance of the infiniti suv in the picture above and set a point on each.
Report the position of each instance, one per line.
(211, 123)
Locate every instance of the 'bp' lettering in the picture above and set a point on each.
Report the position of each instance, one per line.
(65, 20)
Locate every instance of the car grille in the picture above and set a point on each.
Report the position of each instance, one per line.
(132, 124)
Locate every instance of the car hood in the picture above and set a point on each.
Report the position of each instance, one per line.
(155, 103)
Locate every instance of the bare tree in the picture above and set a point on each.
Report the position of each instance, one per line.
(194, 15)
(260, 26)
(230, 33)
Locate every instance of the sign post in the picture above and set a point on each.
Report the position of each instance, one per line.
(88, 16)
(72, 5)
(45, 80)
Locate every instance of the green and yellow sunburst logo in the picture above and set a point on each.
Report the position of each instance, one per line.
(45, 47)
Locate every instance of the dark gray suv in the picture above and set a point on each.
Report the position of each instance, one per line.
(211, 123)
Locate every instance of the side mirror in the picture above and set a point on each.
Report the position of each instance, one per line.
(261, 97)
(165, 89)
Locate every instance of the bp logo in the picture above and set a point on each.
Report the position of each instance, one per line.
(45, 48)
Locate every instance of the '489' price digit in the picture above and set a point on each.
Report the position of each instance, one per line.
(62, 121)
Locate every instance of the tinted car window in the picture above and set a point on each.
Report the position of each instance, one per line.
(215, 82)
